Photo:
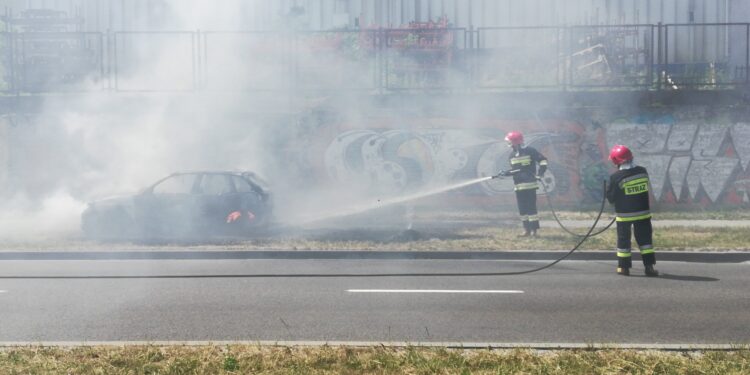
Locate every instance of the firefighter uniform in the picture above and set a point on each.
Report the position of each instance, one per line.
(628, 191)
(523, 168)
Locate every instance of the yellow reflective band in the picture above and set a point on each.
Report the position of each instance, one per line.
(533, 218)
(523, 160)
(520, 159)
(543, 162)
(647, 251)
(633, 218)
(623, 255)
(526, 186)
(636, 181)
(632, 178)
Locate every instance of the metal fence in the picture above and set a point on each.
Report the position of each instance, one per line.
(520, 57)
(611, 56)
(579, 58)
(724, 63)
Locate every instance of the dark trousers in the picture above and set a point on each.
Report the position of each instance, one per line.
(526, 200)
(643, 236)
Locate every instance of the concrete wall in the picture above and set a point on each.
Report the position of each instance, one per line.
(697, 156)
(4, 153)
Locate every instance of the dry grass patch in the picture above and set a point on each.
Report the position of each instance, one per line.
(494, 238)
(246, 359)
(466, 238)
(587, 213)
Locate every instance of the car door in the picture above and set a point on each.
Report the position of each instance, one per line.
(217, 199)
(168, 207)
(251, 201)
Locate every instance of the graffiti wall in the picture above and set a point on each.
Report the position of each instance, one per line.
(691, 161)
(701, 163)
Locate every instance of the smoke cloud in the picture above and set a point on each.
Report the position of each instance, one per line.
(82, 147)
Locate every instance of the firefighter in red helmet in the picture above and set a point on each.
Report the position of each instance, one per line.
(523, 167)
(628, 191)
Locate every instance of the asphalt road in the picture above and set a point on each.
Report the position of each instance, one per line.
(574, 302)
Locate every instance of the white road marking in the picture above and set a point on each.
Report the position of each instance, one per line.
(432, 291)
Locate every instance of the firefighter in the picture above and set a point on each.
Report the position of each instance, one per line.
(523, 168)
(628, 191)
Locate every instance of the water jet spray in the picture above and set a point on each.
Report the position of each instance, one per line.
(381, 203)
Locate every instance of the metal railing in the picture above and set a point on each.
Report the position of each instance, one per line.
(611, 56)
(519, 58)
(580, 58)
(724, 62)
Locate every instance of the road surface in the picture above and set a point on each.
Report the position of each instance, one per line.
(574, 302)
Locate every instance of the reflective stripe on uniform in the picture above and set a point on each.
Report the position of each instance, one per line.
(524, 217)
(533, 218)
(526, 186)
(543, 162)
(631, 178)
(646, 249)
(523, 160)
(632, 218)
(623, 253)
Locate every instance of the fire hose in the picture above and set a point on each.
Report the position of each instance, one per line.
(554, 214)
(583, 239)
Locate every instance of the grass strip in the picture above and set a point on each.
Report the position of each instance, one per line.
(503, 239)
(588, 213)
(246, 359)
(477, 238)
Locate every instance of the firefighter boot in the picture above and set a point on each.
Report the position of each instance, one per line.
(650, 271)
(525, 233)
(623, 271)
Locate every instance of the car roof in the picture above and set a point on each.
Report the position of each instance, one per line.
(252, 176)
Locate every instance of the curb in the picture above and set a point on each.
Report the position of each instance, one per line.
(667, 256)
(393, 344)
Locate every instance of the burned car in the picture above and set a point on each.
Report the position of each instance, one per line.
(184, 205)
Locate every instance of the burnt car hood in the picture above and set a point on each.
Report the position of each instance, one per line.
(114, 201)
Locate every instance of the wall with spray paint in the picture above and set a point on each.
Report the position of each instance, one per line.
(695, 158)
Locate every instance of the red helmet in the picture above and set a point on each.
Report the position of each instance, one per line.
(620, 154)
(514, 138)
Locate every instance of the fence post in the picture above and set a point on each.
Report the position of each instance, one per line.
(382, 67)
(12, 62)
(23, 70)
(386, 60)
(569, 58)
(114, 61)
(651, 58)
(558, 68)
(101, 56)
(192, 57)
(473, 56)
(661, 72)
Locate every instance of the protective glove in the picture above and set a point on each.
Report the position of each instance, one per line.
(502, 173)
